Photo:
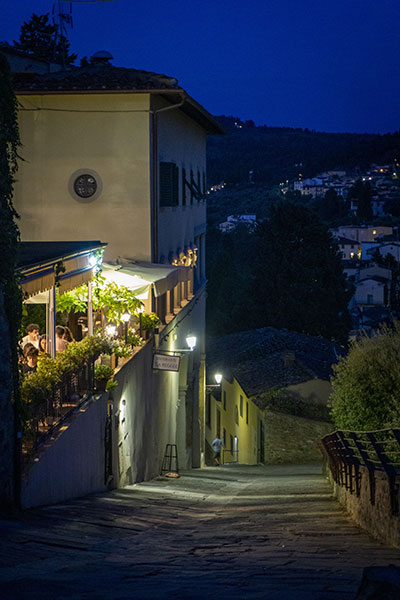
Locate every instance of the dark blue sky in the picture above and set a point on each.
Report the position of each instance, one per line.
(329, 66)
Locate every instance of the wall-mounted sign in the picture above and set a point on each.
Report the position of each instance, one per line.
(163, 362)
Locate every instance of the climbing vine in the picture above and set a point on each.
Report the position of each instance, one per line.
(9, 232)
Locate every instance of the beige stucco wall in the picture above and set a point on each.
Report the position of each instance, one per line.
(182, 141)
(106, 133)
(247, 433)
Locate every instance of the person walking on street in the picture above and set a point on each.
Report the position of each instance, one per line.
(217, 446)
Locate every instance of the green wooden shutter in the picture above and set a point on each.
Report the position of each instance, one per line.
(169, 184)
(183, 185)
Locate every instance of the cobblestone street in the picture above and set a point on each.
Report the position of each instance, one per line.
(232, 532)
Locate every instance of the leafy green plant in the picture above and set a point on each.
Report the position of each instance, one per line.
(111, 385)
(150, 321)
(112, 298)
(36, 388)
(133, 338)
(366, 383)
(103, 372)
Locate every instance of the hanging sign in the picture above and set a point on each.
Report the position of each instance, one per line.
(163, 362)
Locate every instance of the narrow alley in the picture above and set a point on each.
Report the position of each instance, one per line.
(232, 532)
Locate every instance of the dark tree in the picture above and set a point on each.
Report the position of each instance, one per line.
(330, 208)
(41, 39)
(228, 269)
(362, 193)
(298, 278)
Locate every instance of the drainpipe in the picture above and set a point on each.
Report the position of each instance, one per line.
(154, 174)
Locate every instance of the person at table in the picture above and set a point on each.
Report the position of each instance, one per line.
(32, 335)
(61, 342)
(31, 357)
(43, 343)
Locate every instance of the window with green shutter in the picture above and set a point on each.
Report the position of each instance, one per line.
(169, 184)
(183, 186)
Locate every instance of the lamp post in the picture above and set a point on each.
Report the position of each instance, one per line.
(140, 312)
(125, 317)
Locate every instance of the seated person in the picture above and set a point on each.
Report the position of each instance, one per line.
(31, 357)
(61, 342)
(32, 336)
(43, 343)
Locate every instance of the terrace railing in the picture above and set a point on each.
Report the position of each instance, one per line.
(65, 397)
(348, 452)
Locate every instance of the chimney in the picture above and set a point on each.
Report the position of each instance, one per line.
(101, 57)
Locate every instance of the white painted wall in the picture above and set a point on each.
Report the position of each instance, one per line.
(72, 465)
(160, 407)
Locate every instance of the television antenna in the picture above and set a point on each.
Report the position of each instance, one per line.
(62, 18)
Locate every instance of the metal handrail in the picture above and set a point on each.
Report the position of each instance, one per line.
(376, 451)
(61, 402)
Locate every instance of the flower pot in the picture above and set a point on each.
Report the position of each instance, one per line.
(100, 385)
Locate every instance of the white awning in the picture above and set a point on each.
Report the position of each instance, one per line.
(142, 277)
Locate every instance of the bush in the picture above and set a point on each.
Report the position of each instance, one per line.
(150, 321)
(103, 372)
(36, 387)
(366, 384)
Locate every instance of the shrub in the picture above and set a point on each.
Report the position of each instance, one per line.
(36, 387)
(366, 383)
(103, 372)
(150, 321)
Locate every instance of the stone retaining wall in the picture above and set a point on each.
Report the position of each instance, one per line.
(376, 518)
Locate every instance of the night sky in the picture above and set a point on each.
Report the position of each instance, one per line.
(329, 66)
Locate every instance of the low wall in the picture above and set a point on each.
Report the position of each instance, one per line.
(71, 463)
(376, 518)
(292, 439)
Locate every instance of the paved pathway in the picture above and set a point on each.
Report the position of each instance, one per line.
(232, 532)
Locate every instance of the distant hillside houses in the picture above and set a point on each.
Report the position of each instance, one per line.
(250, 221)
(384, 179)
(376, 288)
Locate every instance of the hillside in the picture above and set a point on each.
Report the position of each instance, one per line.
(278, 153)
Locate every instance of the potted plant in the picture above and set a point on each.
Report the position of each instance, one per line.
(149, 322)
(102, 373)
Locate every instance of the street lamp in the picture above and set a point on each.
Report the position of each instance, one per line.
(211, 387)
(191, 341)
(125, 318)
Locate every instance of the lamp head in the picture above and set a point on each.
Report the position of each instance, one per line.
(140, 309)
(191, 341)
(126, 316)
(218, 378)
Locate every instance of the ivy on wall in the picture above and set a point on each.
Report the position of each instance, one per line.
(9, 232)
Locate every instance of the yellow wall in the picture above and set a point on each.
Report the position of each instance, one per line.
(73, 136)
(247, 433)
(109, 134)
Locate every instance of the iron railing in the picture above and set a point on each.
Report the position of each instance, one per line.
(64, 398)
(376, 451)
